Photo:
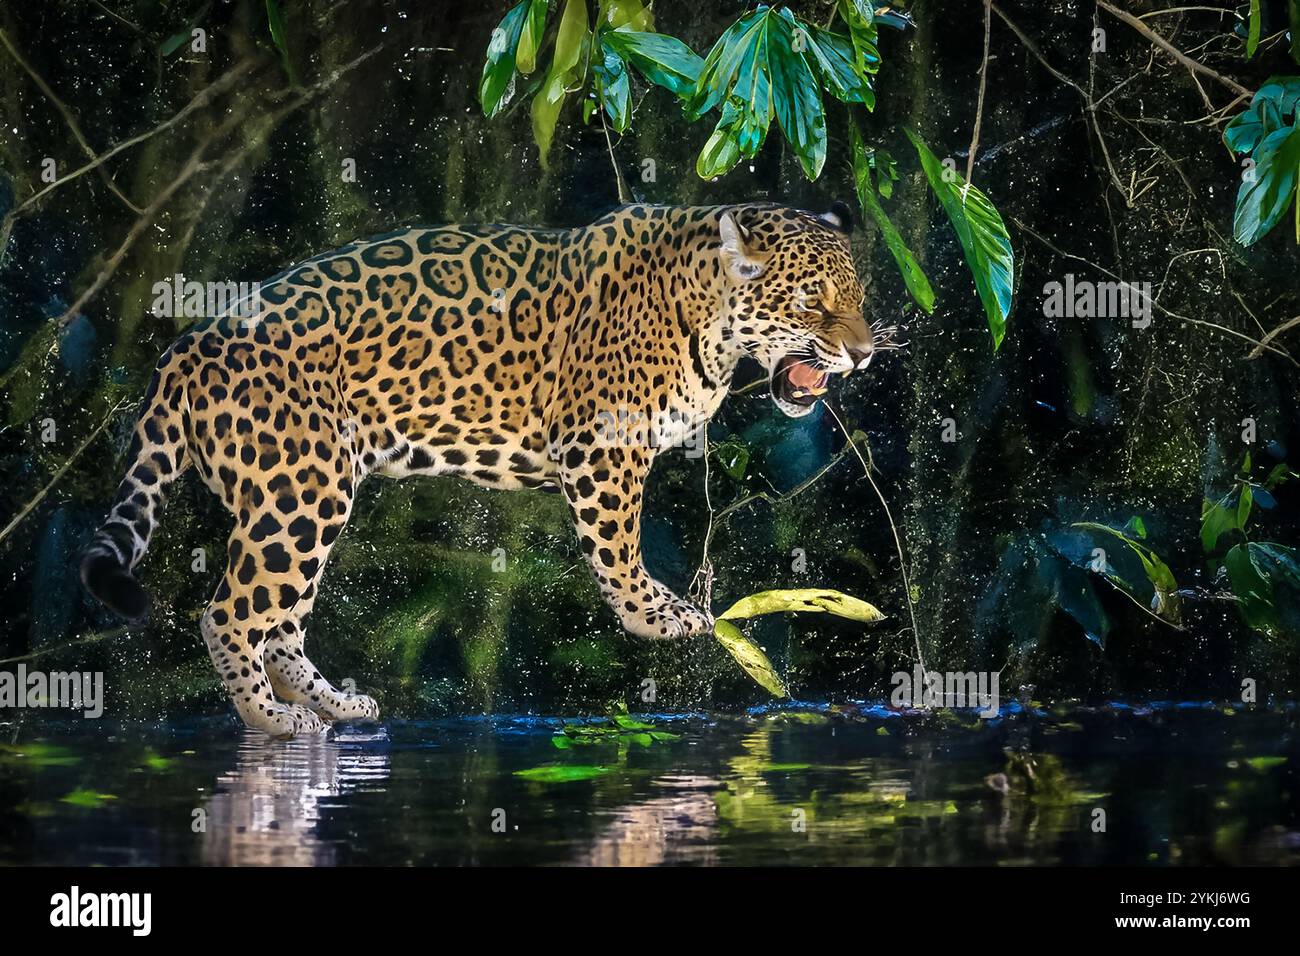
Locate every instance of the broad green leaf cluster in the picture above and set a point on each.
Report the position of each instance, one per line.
(1268, 133)
(769, 65)
(1256, 570)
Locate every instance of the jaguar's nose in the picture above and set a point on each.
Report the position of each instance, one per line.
(860, 358)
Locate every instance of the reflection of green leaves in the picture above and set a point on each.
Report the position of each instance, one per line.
(157, 762)
(982, 234)
(1264, 764)
(561, 773)
(750, 657)
(915, 280)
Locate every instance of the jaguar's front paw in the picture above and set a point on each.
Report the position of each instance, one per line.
(284, 720)
(667, 619)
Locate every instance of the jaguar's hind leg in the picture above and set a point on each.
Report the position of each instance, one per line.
(235, 626)
(295, 678)
(253, 626)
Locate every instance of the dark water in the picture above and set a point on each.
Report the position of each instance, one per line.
(1175, 784)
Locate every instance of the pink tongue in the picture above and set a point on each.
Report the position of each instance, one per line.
(804, 376)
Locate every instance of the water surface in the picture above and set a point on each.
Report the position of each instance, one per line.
(804, 784)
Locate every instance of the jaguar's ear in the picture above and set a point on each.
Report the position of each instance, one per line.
(839, 217)
(738, 255)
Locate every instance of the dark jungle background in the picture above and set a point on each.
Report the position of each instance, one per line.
(1072, 420)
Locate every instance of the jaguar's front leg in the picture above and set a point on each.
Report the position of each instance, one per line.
(603, 485)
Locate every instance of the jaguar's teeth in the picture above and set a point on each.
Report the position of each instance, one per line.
(818, 391)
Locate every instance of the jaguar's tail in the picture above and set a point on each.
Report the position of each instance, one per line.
(158, 456)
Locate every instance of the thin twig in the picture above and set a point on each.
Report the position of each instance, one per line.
(63, 470)
(1269, 337)
(1177, 54)
(95, 638)
(898, 541)
(68, 118)
(201, 99)
(1173, 315)
(979, 102)
(624, 196)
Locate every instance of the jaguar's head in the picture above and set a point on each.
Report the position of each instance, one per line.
(793, 299)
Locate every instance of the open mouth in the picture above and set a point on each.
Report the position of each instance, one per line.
(796, 383)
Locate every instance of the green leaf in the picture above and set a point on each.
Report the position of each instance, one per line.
(1293, 11)
(1252, 39)
(1216, 521)
(918, 286)
(766, 65)
(750, 657)
(173, 43)
(861, 19)
(497, 82)
(720, 65)
(1269, 108)
(569, 42)
(722, 149)
(276, 23)
(625, 13)
(663, 60)
(563, 773)
(530, 36)
(834, 57)
(1165, 603)
(1265, 195)
(613, 87)
(797, 98)
(1253, 590)
(733, 456)
(982, 235)
(802, 599)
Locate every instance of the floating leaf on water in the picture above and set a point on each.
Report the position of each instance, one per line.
(87, 798)
(564, 773)
(750, 657)
(1263, 764)
(803, 599)
(157, 762)
(38, 755)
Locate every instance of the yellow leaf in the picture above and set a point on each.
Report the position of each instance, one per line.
(803, 599)
(569, 42)
(749, 656)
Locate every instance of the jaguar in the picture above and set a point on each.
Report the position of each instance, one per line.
(496, 353)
